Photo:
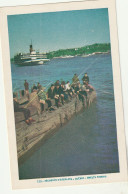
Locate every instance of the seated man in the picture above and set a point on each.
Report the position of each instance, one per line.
(50, 96)
(35, 100)
(39, 86)
(77, 87)
(33, 87)
(57, 94)
(68, 89)
(89, 88)
(81, 92)
(75, 80)
(57, 82)
(26, 112)
(42, 97)
(62, 92)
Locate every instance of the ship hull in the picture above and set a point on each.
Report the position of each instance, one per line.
(31, 63)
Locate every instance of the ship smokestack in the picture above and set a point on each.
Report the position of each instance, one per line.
(31, 47)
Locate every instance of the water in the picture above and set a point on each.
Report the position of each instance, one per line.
(88, 143)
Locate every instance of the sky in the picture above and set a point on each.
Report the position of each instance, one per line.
(57, 30)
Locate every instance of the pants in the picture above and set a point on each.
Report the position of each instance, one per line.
(57, 100)
(49, 103)
(25, 111)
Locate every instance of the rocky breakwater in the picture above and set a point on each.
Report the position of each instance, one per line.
(29, 137)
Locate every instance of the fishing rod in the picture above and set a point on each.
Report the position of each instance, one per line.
(86, 68)
(89, 66)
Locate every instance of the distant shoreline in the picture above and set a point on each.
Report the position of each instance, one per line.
(82, 51)
(85, 55)
(85, 51)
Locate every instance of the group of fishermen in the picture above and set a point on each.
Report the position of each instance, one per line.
(60, 92)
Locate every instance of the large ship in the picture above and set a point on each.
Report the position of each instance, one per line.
(31, 58)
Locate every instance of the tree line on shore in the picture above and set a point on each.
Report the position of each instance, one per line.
(80, 51)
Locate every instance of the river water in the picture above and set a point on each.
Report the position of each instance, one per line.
(88, 143)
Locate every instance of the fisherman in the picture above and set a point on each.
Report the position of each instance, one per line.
(42, 97)
(83, 91)
(75, 80)
(77, 87)
(26, 112)
(26, 86)
(57, 94)
(39, 86)
(68, 89)
(57, 82)
(33, 87)
(35, 100)
(89, 88)
(62, 92)
(85, 78)
(50, 96)
(82, 94)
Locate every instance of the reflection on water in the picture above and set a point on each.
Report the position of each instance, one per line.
(88, 143)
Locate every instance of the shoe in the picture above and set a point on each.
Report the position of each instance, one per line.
(51, 109)
(31, 120)
(27, 122)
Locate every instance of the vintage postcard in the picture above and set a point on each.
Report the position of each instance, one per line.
(63, 94)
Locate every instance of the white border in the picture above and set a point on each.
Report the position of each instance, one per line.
(117, 86)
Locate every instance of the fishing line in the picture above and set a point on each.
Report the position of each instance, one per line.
(89, 66)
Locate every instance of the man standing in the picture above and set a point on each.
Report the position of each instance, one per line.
(26, 86)
(85, 78)
(75, 79)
